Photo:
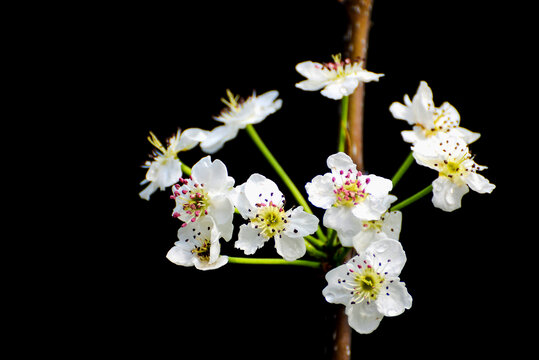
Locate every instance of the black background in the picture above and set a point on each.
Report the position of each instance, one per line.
(130, 69)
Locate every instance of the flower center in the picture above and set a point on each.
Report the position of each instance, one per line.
(352, 191)
(203, 251)
(367, 285)
(270, 219)
(193, 200)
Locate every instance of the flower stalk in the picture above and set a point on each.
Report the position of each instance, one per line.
(344, 123)
(412, 198)
(403, 168)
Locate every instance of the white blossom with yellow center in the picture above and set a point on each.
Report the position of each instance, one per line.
(198, 245)
(369, 285)
(165, 168)
(457, 171)
(349, 197)
(260, 201)
(336, 79)
(428, 120)
(237, 115)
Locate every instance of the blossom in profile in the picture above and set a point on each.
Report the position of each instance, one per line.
(457, 171)
(237, 115)
(428, 120)
(198, 246)
(261, 202)
(336, 79)
(348, 196)
(206, 193)
(369, 285)
(165, 168)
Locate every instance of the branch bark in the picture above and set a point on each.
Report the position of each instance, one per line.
(359, 14)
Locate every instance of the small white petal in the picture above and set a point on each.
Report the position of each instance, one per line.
(290, 248)
(249, 240)
(446, 195)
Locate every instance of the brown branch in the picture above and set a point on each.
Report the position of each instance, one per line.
(359, 13)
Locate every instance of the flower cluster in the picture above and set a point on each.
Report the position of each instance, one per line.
(438, 142)
(358, 212)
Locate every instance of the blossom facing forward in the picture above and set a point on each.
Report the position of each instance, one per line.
(261, 202)
(369, 285)
(451, 158)
(349, 197)
(237, 115)
(198, 246)
(206, 193)
(336, 79)
(428, 120)
(165, 169)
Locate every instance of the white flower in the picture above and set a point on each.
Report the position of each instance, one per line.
(388, 227)
(369, 285)
(457, 171)
(260, 201)
(349, 196)
(337, 79)
(237, 115)
(198, 245)
(429, 120)
(206, 192)
(165, 169)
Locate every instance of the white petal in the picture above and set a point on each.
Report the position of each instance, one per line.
(393, 299)
(340, 218)
(363, 317)
(217, 137)
(290, 248)
(200, 265)
(479, 183)
(190, 138)
(312, 71)
(222, 211)
(148, 190)
(213, 175)
(387, 256)
(337, 89)
(401, 112)
(300, 223)
(392, 224)
(446, 195)
(341, 161)
(249, 240)
(320, 191)
(260, 189)
(335, 292)
(180, 256)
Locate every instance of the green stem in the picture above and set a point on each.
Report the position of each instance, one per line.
(316, 242)
(258, 261)
(344, 123)
(186, 169)
(412, 198)
(311, 250)
(280, 171)
(405, 165)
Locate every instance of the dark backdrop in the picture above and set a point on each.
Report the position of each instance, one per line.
(159, 67)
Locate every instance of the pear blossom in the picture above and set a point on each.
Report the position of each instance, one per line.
(369, 285)
(165, 169)
(388, 227)
(336, 79)
(198, 245)
(237, 115)
(261, 202)
(456, 169)
(428, 120)
(206, 193)
(349, 196)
